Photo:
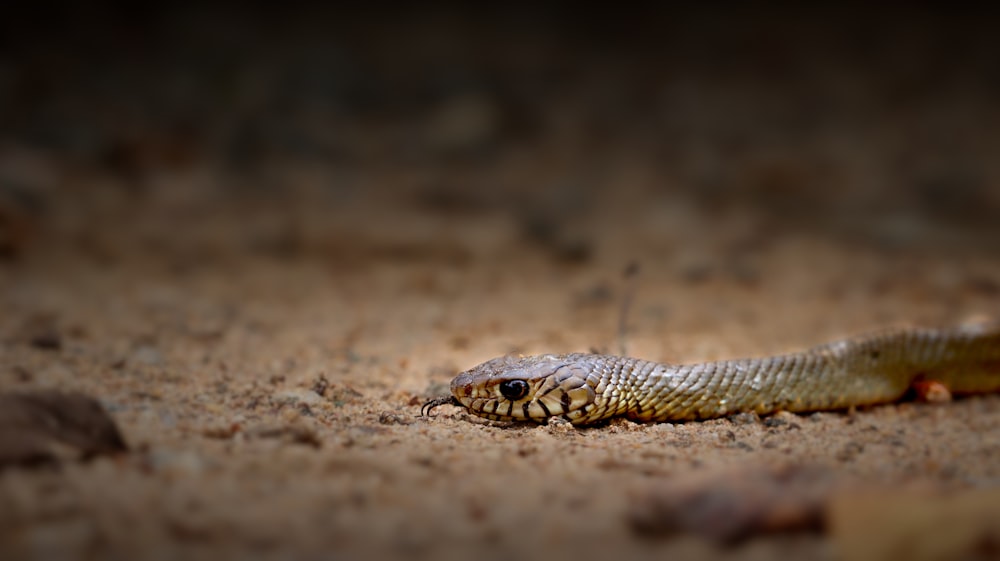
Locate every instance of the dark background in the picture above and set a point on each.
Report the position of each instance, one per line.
(877, 124)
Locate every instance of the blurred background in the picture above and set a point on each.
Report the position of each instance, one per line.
(186, 130)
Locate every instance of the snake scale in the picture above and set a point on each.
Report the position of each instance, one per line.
(864, 370)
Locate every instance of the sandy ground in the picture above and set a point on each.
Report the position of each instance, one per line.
(264, 333)
(271, 402)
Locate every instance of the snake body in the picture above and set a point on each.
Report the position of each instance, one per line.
(864, 370)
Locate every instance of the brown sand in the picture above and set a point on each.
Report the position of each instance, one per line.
(265, 350)
(271, 402)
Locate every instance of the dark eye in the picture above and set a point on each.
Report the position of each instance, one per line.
(514, 389)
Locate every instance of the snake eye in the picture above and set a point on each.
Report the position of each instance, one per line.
(513, 389)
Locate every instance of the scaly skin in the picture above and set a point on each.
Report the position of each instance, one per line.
(865, 370)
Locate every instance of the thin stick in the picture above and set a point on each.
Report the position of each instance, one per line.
(630, 275)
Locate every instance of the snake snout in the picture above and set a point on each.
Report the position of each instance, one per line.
(461, 385)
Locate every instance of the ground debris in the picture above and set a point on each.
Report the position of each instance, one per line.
(46, 427)
(730, 507)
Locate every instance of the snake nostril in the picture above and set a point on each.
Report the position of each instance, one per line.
(462, 385)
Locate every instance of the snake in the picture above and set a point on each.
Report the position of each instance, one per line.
(868, 369)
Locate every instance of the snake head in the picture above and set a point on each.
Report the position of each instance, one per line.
(532, 388)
